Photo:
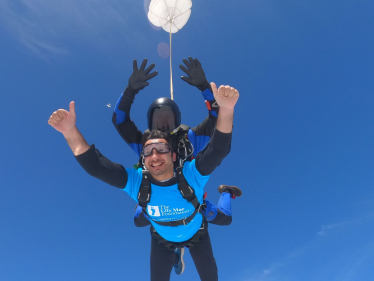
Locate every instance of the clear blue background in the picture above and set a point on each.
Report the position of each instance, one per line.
(303, 142)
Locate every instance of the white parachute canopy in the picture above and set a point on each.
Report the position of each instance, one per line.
(166, 13)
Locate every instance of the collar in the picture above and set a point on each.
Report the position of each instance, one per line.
(173, 180)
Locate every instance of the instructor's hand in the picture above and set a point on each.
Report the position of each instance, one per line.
(225, 96)
(195, 74)
(63, 120)
(139, 77)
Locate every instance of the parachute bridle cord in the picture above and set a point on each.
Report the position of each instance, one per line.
(170, 18)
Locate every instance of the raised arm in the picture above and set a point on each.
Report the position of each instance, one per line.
(64, 121)
(196, 77)
(200, 135)
(121, 115)
(226, 97)
(87, 156)
(219, 145)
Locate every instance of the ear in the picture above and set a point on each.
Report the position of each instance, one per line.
(174, 155)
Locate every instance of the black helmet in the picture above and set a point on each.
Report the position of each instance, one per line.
(164, 115)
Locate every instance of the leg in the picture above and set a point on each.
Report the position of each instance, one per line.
(234, 190)
(162, 261)
(224, 203)
(202, 255)
(221, 214)
(179, 264)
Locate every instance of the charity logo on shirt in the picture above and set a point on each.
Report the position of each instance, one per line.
(158, 211)
(153, 211)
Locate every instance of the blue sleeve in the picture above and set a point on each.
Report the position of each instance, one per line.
(120, 115)
(124, 125)
(199, 142)
(208, 95)
(210, 102)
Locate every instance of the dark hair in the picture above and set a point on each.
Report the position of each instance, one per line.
(155, 134)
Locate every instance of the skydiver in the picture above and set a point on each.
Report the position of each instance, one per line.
(164, 114)
(158, 158)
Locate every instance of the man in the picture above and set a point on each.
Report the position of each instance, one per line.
(160, 109)
(164, 114)
(158, 160)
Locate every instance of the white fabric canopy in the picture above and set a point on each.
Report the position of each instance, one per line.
(165, 12)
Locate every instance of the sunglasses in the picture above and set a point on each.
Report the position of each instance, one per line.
(159, 146)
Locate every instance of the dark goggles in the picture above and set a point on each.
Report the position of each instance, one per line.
(159, 146)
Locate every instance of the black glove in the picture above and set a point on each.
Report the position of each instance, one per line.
(139, 76)
(196, 76)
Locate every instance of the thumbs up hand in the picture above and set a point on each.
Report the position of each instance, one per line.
(63, 120)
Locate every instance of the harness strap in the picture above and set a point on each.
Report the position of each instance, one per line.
(144, 195)
(189, 243)
(187, 192)
(183, 146)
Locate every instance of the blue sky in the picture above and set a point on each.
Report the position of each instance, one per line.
(303, 138)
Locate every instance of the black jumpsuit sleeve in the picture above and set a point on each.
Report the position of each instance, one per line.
(123, 123)
(100, 167)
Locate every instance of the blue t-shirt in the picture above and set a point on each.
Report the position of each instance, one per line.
(168, 204)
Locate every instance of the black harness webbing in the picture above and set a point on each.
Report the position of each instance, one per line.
(189, 243)
(188, 193)
(183, 146)
(144, 195)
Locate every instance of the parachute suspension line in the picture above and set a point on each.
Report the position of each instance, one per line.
(171, 72)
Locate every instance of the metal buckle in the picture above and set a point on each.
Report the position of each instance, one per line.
(184, 221)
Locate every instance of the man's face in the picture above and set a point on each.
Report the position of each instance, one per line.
(163, 119)
(160, 165)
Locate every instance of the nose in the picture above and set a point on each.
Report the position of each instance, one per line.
(154, 152)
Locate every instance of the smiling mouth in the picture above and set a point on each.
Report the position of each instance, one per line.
(156, 165)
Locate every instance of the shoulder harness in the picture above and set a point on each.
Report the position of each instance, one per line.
(185, 153)
(188, 193)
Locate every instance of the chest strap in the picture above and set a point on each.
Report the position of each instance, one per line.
(188, 193)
